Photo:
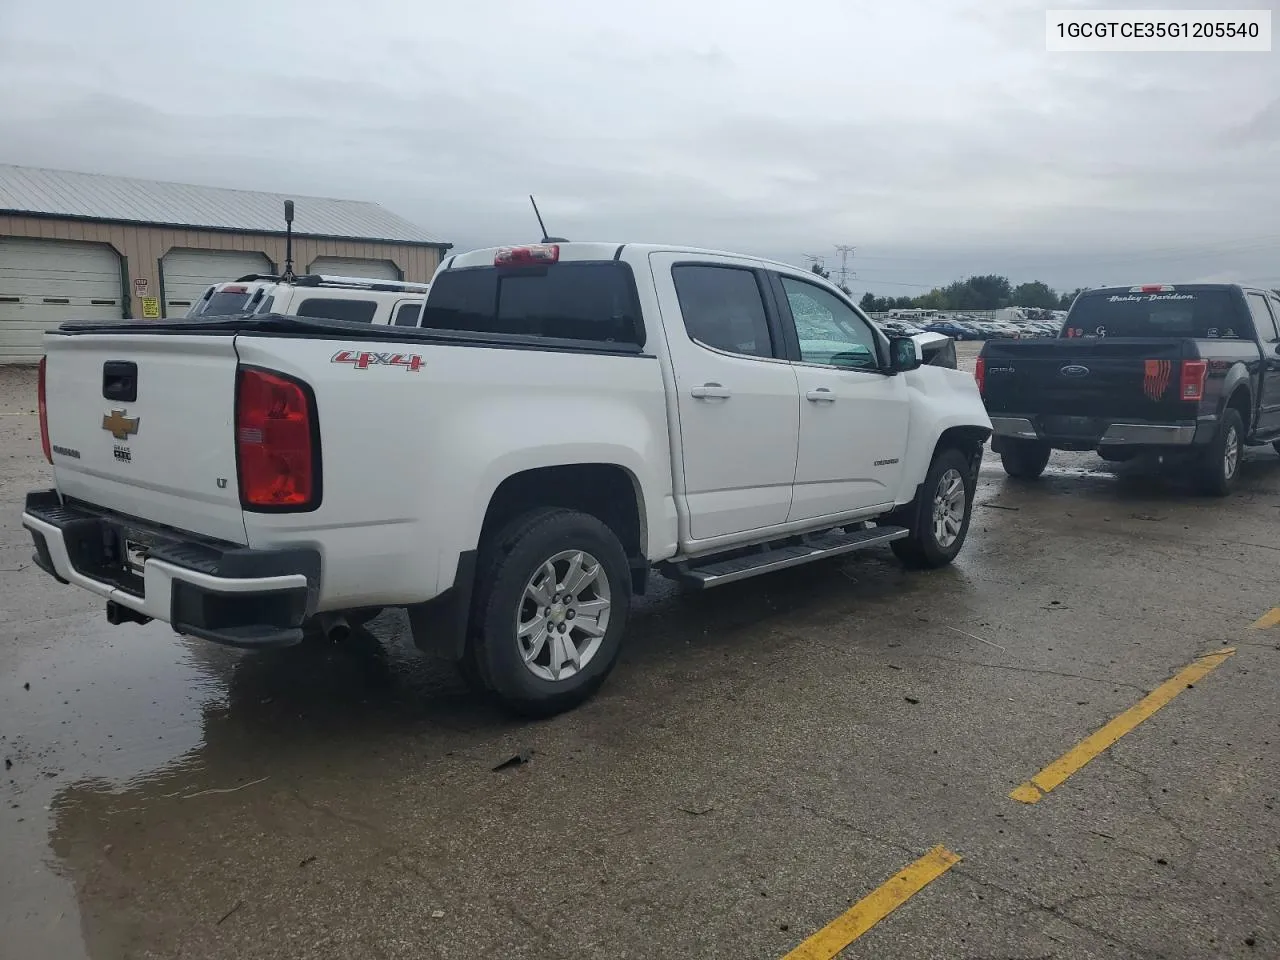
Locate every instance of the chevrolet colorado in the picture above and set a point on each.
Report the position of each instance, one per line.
(565, 418)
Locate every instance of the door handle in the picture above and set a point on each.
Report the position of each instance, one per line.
(820, 395)
(711, 391)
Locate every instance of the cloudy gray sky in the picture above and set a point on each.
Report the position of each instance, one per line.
(937, 136)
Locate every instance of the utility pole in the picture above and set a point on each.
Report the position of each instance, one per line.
(818, 261)
(844, 273)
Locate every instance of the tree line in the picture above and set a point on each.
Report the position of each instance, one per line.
(988, 292)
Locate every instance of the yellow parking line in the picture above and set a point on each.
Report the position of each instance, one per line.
(1092, 745)
(875, 906)
(1268, 619)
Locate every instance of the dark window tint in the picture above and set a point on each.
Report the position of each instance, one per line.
(357, 311)
(577, 300)
(220, 305)
(407, 315)
(267, 304)
(1185, 312)
(722, 308)
(1262, 320)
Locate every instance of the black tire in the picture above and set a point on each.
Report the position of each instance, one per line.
(1216, 477)
(1024, 459)
(921, 550)
(509, 561)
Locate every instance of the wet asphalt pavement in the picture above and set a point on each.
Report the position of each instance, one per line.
(765, 755)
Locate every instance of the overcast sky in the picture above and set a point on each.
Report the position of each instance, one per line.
(937, 137)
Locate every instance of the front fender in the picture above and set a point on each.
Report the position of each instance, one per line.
(941, 400)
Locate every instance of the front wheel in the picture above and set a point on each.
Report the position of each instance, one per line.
(939, 519)
(1024, 459)
(554, 595)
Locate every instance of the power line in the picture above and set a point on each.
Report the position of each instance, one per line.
(816, 260)
(1220, 248)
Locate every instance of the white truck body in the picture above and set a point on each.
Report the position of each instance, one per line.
(426, 441)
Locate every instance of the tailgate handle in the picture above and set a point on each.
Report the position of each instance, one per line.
(120, 381)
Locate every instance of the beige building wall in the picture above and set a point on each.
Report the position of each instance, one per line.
(142, 248)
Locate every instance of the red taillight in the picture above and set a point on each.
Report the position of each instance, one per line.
(1193, 374)
(44, 413)
(534, 253)
(276, 442)
(980, 374)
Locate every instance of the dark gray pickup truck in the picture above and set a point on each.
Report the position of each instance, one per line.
(1189, 372)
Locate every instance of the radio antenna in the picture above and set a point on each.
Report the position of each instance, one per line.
(542, 226)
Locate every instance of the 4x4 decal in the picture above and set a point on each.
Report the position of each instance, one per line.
(364, 359)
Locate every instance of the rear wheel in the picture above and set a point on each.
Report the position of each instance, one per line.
(1024, 459)
(1219, 464)
(554, 595)
(939, 518)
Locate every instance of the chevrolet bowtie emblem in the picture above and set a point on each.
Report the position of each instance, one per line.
(120, 426)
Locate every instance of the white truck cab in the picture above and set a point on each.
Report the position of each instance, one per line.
(360, 300)
(563, 419)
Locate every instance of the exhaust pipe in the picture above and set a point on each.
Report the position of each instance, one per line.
(334, 627)
(118, 614)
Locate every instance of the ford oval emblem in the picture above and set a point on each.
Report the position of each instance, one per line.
(1074, 370)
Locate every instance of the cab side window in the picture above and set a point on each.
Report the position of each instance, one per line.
(356, 311)
(723, 308)
(1262, 319)
(407, 315)
(830, 332)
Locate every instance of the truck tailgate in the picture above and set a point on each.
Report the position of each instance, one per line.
(1117, 378)
(143, 424)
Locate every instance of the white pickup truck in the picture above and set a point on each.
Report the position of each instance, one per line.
(566, 418)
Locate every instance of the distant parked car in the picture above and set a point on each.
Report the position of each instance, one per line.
(955, 329)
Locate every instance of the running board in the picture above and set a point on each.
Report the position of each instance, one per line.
(717, 572)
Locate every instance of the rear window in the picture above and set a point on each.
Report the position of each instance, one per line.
(220, 305)
(1202, 314)
(357, 311)
(578, 300)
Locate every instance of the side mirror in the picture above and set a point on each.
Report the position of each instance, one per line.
(904, 354)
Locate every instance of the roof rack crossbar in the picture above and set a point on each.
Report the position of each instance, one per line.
(349, 283)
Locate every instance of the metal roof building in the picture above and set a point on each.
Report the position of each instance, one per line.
(87, 246)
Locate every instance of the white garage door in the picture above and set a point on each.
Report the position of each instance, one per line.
(188, 273)
(43, 282)
(343, 267)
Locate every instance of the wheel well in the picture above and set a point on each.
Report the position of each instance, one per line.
(1240, 401)
(968, 440)
(603, 490)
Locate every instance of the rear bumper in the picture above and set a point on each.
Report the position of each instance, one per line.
(1101, 433)
(216, 591)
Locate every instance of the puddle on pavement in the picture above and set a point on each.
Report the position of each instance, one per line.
(96, 720)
